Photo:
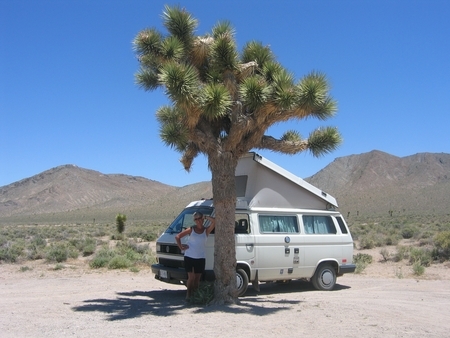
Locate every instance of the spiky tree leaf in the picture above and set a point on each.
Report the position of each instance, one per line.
(313, 96)
(216, 101)
(323, 141)
(270, 70)
(147, 42)
(255, 51)
(254, 92)
(224, 53)
(172, 48)
(180, 24)
(173, 130)
(147, 79)
(169, 114)
(180, 80)
(285, 94)
(292, 136)
(223, 28)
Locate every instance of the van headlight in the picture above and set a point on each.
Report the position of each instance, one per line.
(158, 247)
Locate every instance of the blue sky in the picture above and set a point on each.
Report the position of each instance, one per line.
(68, 96)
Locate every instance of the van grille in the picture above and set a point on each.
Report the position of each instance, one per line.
(170, 249)
(171, 263)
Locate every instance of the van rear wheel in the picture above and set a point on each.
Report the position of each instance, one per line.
(241, 281)
(324, 278)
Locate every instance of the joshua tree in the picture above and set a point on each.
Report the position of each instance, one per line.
(222, 103)
(120, 223)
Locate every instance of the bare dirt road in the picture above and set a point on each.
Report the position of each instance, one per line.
(79, 302)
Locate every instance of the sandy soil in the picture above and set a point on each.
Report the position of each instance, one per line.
(385, 300)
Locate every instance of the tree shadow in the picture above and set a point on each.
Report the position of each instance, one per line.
(137, 304)
(164, 303)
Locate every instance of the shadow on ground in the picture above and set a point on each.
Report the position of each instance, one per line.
(135, 304)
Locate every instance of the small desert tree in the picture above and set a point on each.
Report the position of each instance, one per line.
(222, 104)
(120, 223)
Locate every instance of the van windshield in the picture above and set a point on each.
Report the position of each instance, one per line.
(186, 219)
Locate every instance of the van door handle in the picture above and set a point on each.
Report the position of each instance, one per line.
(249, 246)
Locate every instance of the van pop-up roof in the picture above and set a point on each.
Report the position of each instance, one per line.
(262, 183)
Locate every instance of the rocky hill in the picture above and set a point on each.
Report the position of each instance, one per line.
(70, 192)
(373, 183)
(379, 183)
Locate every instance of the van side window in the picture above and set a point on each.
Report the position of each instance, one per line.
(318, 225)
(241, 224)
(283, 224)
(342, 225)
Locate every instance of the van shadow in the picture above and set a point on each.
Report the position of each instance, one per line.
(164, 303)
(288, 287)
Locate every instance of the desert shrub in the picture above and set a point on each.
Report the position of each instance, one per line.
(392, 239)
(426, 235)
(119, 262)
(143, 234)
(146, 232)
(408, 232)
(362, 257)
(148, 258)
(128, 250)
(418, 268)
(385, 254)
(38, 241)
(10, 251)
(86, 245)
(33, 252)
(134, 269)
(360, 267)
(361, 261)
(421, 256)
(59, 266)
(72, 252)
(367, 242)
(102, 258)
(442, 244)
(203, 295)
(57, 253)
(117, 237)
(402, 253)
(124, 255)
(88, 248)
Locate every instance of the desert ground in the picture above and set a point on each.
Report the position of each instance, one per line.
(385, 300)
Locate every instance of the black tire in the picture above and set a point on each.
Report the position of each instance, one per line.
(324, 278)
(241, 281)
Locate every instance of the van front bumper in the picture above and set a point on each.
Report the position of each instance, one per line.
(169, 275)
(176, 275)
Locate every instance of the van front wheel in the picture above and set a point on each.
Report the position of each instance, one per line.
(324, 278)
(241, 281)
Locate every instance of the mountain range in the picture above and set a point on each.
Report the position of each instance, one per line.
(373, 183)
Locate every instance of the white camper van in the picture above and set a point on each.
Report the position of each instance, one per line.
(285, 229)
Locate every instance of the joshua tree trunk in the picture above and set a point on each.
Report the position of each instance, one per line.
(223, 169)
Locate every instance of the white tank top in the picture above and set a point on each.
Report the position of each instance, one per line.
(197, 243)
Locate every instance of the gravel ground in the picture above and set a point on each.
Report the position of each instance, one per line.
(79, 302)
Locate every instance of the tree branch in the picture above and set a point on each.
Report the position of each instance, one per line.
(285, 147)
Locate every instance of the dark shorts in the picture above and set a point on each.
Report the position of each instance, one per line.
(198, 264)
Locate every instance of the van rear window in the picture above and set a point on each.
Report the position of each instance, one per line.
(342, 225)
(318, 225)
(280, 224)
